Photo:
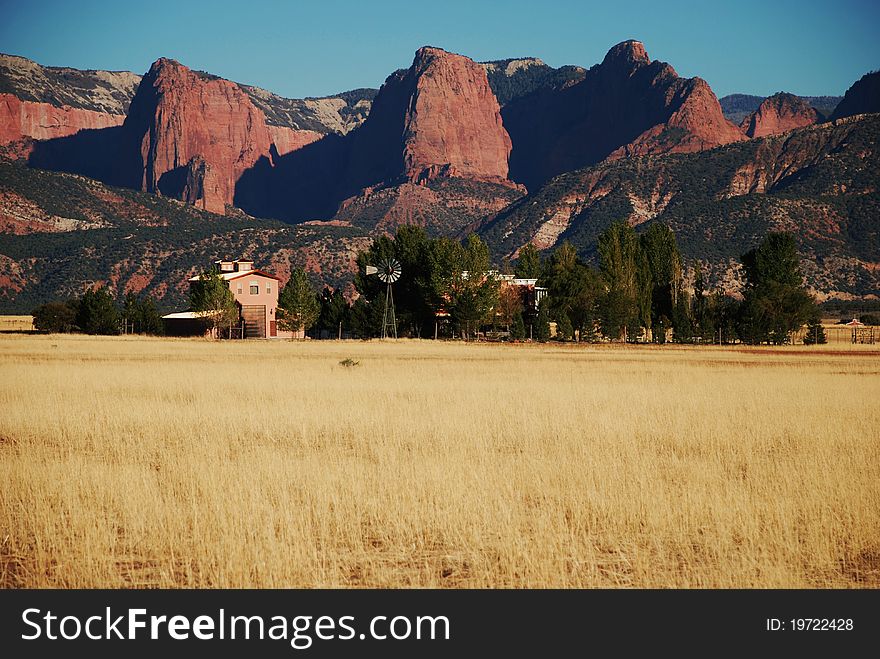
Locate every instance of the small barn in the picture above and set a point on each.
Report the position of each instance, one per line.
(185, 323)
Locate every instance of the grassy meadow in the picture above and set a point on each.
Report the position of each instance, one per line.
(135, 462)
(16, 323)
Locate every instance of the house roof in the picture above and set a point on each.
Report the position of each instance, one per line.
(228, 276)
(185, 315)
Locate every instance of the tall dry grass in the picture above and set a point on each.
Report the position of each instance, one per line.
(16, 323)
(174, 463)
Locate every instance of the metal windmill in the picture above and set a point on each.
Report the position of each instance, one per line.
(388, 271)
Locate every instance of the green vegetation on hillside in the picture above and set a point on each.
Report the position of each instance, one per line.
(821, 184)
(527, 79)
(296, 112)
(154, 240)
(459, 203)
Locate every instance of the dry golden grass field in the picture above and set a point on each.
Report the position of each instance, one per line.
(134, 462)
(16, 323)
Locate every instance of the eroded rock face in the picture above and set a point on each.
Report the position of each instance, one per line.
(196, 134)
(178, 114)
(287, 139)
(203, 188)
(627, 105)
(454, 118)
(437, 117)
(779, 113)
(862, 98)
(696, 123)
(22, 122)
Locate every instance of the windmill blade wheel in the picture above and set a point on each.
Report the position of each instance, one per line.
(389, 271)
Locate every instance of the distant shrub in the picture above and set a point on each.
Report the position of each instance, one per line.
(55, 317)
(815, 333)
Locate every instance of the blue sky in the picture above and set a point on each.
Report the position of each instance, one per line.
(321, 47)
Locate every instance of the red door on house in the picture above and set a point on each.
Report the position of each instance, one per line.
(273, 328)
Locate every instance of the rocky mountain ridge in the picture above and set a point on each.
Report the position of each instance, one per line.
(780, 113)
(820, 182)
(863, 97)
(520, 151)
(737, 107)
(66, 100)
(626, 105)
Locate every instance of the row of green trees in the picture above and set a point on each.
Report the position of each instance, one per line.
(441, 280)
(637, 292)
(96, 312)
(447, 288)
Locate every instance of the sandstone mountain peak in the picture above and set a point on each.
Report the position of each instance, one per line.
(163, 62)
(626, 106)
(779, 113)
(426, 54)
(447, 116)
(630, 51)
(165, 66)
(434, 134)
(431, 51)
(192, 128)
(862, 98)
(453, 120)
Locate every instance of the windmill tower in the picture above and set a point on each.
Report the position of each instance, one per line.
(388, 271)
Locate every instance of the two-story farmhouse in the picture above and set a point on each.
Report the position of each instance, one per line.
(256, 296)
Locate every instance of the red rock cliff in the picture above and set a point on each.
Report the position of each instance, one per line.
(287, 139)
(453, 118)
(779, 113)
(23, 121)
(627, 105)
(437, 118)
(203, 188)
(179, 114)
(197, 134)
